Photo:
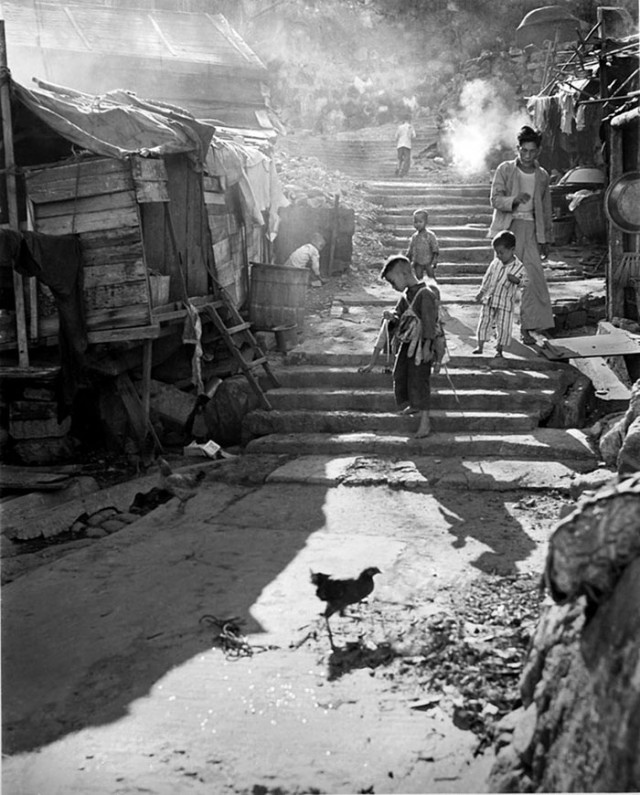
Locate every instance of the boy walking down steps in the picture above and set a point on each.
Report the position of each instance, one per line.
(498, 292)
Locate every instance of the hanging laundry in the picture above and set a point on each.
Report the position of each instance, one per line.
(566, 103)
(581, 113)
(538, 108)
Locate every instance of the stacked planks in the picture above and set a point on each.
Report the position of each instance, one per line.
(96, 199)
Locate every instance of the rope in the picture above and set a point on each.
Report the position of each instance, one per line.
(233, 642)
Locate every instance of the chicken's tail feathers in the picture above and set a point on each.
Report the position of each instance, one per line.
(200, 475)
(165, 469)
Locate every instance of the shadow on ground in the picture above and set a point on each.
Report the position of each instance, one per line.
(87, 635)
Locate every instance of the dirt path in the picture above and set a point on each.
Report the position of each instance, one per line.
(113, 685)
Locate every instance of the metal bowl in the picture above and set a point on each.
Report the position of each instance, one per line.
(622, 202)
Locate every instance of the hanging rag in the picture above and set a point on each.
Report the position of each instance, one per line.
(538, 108)
(56, 260)
(565, 101)
(581, 113)
(192, 335)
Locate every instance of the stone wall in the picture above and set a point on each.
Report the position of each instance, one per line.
(579, 726)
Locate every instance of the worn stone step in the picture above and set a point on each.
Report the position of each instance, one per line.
(404, 218)
(347, 360)
(401, 189)
(441, 232)
(469, 253)
(540, 444)
(412, 201)
(261, 423)
(381, 399)
(446, 242)
(318, 376)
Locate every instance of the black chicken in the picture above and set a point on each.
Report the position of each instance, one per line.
(340, 593)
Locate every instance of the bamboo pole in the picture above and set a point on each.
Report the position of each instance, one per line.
(12, 195)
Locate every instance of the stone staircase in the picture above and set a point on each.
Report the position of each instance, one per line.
(459, 215)
(481, 408)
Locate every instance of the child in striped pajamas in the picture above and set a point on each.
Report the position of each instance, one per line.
(498, 292)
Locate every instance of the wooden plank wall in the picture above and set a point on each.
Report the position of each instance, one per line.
(227, 240)
(188, 216)
(95, 198)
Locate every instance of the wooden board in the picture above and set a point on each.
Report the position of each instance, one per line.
(24, 479)
(109, 257)
(214, 198)
(116, 273)
(618, 343)
(150, 180)
(606, 384)
(111, 296)
(107, 238)
(89, 222)
(91, 204)
(81, 179)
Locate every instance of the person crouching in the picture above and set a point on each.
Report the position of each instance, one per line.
(498, 292)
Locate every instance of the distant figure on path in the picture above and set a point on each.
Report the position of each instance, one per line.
(404, 141)
(308, 256)
(521, 200)
(498, 292)
(423, 249)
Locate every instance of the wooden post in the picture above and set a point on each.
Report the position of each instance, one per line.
(12, 195)
(615, 288)
(335, 220)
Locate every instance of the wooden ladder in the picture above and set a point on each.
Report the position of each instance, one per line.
(228, 332)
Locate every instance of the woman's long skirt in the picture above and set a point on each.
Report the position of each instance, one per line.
(535, 306)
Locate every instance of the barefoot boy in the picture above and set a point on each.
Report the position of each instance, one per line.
(415, 317)
(498, 292)
(423, 249)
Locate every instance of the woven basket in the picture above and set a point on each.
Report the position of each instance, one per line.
(591, 218)
(563, 229)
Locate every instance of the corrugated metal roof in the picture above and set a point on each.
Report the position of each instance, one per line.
(196, 61)
(193, 37)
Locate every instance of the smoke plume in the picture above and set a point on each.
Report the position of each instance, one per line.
(485, 121)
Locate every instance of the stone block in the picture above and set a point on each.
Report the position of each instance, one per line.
(96, 532)
(39, 429)
(43, 451)
(96, 519)
(113, 525)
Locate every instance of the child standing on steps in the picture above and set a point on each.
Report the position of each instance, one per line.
(498, 292)
(423, 249)
(414, 324)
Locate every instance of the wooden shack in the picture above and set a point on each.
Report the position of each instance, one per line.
(162, 226)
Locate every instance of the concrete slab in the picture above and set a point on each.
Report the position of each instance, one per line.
(543, 444)
(427, 473)
(111, 683)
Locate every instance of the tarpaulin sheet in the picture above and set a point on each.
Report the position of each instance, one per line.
(116, 124)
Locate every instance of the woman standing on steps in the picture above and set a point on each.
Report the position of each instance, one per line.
(521, 202)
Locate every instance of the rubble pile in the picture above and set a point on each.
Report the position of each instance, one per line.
(307, 181)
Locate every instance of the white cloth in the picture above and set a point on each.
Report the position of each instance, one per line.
(305, 256)
(526, 184)
(405, 135)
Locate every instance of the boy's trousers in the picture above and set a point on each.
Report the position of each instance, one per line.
(496, 316)
(411, 381)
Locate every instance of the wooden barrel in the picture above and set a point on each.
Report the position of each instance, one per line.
(278, 296)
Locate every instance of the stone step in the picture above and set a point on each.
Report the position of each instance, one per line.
(450, 253)
(382, 400)
(262, 423)
(449, 192)
(297, 360)
(411, 182)
(402, 218)
(445, 243)
(413, 201)
(478, 377)
(540, 444)
(404, 231)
